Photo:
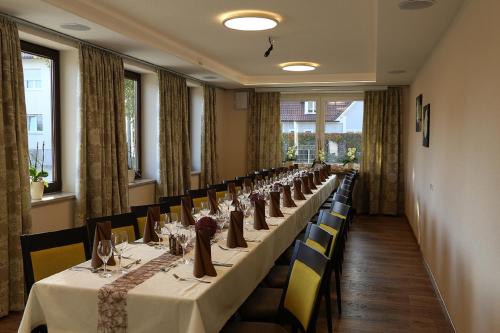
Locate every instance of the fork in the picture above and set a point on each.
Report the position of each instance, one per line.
(136, 262)
(189, 279)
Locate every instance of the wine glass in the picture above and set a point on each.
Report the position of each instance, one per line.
(158, 228)
(184, 236)
(120, 241)
(105, 251)
(228, 200)
(205, 209)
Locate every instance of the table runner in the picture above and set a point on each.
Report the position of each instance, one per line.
(67, 301)
(112, 298)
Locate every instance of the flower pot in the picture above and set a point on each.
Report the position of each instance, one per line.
(131, 176)
(36, 189)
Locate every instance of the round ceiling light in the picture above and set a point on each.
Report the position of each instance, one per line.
(299, 66)
(250, 20)
(415, 4)
(75, 27)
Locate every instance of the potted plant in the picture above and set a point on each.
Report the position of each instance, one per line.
(321, 156)
(37, 181)
(350, 158)
(291, 154)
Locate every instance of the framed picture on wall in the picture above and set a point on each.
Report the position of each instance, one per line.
(426, 125)
(419, 113)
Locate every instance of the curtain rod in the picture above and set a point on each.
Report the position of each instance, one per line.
(74, 39)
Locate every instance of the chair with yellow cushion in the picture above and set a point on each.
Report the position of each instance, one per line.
(141, 214)
(238, 183)
(221, 190)
(121, 222)
(297, 304)
(173, 203)
(49, 253)
(198, 196)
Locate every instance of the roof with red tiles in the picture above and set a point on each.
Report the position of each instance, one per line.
(294, 111)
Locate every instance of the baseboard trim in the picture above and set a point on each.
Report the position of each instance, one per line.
(438, 293)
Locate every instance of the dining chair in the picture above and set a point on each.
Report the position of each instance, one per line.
(340, 198)
(173, 203)
(121, 222)
(238, 183)
(198, 196)
(297, 304)
(49, 253)
(141, 214)
(221, 190)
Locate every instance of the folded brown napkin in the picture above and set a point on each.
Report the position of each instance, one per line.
(235, 233)
(274, 204)
(203, 255)
(305, 185)
(259, 216)
(248, 183)
(149, 227)
(317, 179)
(322, 174)
(231, 189)
(212, 201)
(291, 167)
(102, 232)
(312, 186)
(186, 208)
(287, 197)
(297, 190)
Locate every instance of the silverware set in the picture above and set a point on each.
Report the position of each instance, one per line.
(189, 279)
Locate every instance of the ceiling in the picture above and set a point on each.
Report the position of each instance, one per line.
(354, 41)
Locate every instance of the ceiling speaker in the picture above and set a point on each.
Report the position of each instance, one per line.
(415, 4)
(241, 100)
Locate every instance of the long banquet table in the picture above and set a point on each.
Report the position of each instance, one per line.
(68, 301)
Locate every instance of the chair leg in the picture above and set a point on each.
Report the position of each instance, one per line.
(328, 307)
(337, 286)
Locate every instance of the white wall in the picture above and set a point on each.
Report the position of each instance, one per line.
(452, 187)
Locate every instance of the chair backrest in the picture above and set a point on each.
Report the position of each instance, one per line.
(141, 214)
(49, 253)
(317, 238)
(340, 198)
(341, 210)
(121, 222)
(333, 225)
(173, 203)
(198, 196)
(221, 190)
(343, 192)
(300, 298)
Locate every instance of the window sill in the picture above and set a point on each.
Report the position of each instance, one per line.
(141, 182)
(51, 198)
(195, 173)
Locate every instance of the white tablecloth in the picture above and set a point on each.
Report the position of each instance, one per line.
(67, 301)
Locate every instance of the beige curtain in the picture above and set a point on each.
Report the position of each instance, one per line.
(382, 189)
(103, 184)
(15, 200)
(175, 153)
(264, 132)
(209, 173)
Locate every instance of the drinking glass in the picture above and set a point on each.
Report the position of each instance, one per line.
(158, 228)
(105, 251)
(184, 236)
(205, 209)
(120, 241)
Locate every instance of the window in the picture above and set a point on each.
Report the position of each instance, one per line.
(196, 104)
(35, 123)
(343, 129)
(133, 119)
(310, 107)
(298, 130)
(41, 80)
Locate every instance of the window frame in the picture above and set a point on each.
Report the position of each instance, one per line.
(137, 78)
(42, 51)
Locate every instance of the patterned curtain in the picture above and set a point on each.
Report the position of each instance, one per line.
(382, 187)
(103, 184)
(175, 153)
(264, 132)
(209, 173)
(15, 200)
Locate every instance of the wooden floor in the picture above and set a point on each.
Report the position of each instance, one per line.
(385, 287)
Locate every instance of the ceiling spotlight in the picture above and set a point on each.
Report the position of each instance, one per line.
(75, 27)
(250, 20)
(415, 4)
(299, 66)
(271, 46)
